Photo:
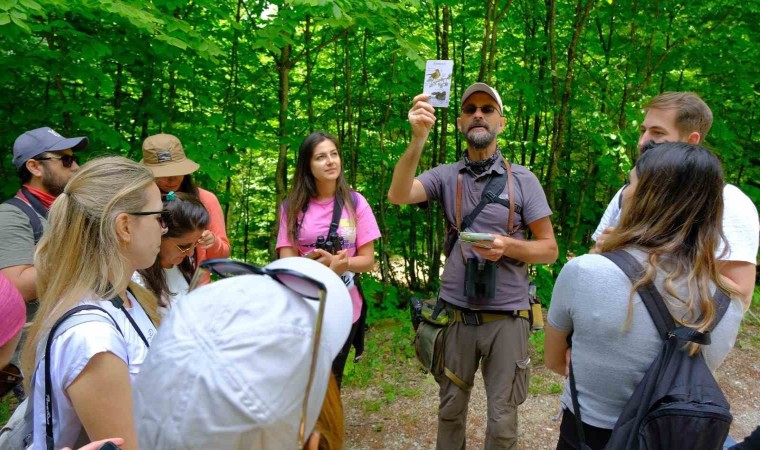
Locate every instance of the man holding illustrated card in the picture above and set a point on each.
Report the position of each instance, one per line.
(484, 286)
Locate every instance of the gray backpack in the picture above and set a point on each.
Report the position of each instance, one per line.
(17, 434)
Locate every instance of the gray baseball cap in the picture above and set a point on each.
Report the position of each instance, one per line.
(41, 140)
(486, 89)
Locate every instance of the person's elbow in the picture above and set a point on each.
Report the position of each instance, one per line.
(556, 366)
(396, 198)
(550, 253)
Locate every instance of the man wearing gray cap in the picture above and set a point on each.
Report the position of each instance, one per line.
(484, 286)
(45, 161)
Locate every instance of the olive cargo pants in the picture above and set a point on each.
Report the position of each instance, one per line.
(501, 347)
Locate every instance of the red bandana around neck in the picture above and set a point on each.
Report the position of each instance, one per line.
(44, 198)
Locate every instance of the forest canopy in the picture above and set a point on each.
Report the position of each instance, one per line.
(242, 82)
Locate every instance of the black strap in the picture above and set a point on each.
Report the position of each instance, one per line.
(577, 410)
(656, 307)
(118, 303)
(335, 221)
(34, 219)
(494, 187)
(48, 378)
(35, 202)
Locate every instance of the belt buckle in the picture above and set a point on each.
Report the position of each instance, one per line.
(471, 318)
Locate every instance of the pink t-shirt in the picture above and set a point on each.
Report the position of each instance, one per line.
(316, 222)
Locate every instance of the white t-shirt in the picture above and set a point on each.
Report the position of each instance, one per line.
(740, 224)
(70, 353)
(176, 283)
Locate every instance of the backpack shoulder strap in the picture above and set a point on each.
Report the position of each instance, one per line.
(34, 219)
(649, 294)
(64, 323)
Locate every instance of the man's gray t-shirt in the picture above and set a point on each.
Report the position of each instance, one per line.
(590, 298)
(440, 185)
(16, 237)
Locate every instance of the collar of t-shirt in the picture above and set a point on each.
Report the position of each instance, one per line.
(44, 198)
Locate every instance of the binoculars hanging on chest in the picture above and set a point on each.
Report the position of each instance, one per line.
(332, 244)
(480, 279)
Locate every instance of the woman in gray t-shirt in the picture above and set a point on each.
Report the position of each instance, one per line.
(672, 224)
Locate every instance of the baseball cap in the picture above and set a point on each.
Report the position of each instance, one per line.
(164, 155)
(482, 87)
(41, 140)
(229, 367)
(12, 311)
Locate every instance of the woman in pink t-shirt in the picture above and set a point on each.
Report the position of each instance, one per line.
(306, 217)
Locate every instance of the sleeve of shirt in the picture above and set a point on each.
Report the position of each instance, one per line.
(432, 182)
(73, 349)
(282, 233)
(366, 224)
(563, 296)
(611, 215)
(534, 204)
(221, 246)
(740, 226)
(17, 238)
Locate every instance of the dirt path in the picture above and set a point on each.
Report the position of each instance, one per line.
(377, 420)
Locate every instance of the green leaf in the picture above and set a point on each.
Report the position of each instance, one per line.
(6, 5)
(5, 19)
(31, 4)
(18, 19)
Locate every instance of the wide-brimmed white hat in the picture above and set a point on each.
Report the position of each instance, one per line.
(229, 366)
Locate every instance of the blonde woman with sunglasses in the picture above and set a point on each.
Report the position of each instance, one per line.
(105, 225)
(169, 276)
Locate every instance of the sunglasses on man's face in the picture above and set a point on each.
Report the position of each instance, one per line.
(485, 109)
(66, 160)
(301, 284)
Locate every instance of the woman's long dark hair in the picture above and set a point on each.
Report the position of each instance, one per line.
(675, 215)
(184, 214)
(304, 187)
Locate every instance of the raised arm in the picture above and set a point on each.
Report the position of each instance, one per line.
(405, 189)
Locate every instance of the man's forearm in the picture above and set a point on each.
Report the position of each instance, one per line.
(537, 251)
(403, 173)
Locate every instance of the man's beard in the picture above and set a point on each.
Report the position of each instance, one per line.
(480, 139)
(53, 185)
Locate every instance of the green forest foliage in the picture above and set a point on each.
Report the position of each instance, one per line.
(242, 82)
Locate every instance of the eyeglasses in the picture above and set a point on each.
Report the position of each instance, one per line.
(161, 219)
(186, 248)
(485, 109)
(66, 160)
(303, 285)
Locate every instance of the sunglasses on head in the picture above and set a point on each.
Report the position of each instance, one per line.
(485, 109)
(66, 160)
(301, 284)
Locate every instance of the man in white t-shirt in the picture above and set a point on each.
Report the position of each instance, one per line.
(684, 117)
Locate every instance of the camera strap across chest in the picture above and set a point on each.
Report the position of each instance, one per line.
(335, 221)
(493, 189)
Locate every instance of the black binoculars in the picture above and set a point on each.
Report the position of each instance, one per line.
(332, 244)
(480, 279)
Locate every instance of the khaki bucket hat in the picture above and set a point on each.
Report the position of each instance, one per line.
(164, 155)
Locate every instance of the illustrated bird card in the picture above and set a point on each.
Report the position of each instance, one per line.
(438, 81)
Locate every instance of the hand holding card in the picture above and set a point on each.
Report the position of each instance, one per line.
(482, 240)
(437, 83)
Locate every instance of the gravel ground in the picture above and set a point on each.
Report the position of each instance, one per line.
(409, 422)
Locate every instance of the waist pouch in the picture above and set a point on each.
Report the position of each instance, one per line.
(431, 320)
